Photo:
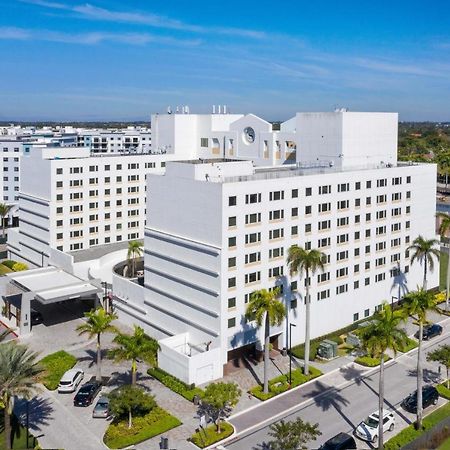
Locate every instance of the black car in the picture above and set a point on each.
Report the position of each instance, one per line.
(87, 393)
(36, 317)
(430, 331)
(430, 396)
(341, 441)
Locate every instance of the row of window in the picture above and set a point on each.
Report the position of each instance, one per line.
(107, 167)
(95, 241)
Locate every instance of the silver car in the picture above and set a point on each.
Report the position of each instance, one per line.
(101, 408)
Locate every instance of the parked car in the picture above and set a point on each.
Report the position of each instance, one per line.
(36, 317)
(341, 441)
(367, 430)
(87, 393)
(70, 380)
(430, 331)
(101, 408)
(430, 396)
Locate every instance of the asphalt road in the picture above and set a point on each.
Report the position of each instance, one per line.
(342, 409)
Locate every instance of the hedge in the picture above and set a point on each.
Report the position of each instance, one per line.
(443, 390)
(409, 433)
(5, 269)
(208, 436)
(280, 384)
(157, 421)
(410, 344)
(55, 366)
(174, 384)
(9, 263)
(368, 361)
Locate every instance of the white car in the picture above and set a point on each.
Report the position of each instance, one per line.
(70, 380)
(367, 430)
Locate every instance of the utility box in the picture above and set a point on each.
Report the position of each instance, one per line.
(327, 349)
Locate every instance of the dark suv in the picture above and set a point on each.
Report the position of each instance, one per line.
(430, 396)
(87, 393)
(341, 441)
(430, 331)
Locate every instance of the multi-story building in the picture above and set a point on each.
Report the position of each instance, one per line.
(217, 230)
(72, 200)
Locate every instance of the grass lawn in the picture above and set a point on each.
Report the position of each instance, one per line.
(280, 384)
(55, 365)
(157, 421)
(445, 445)
(410, 433)
(209, 436)
(410, 344)
(19, 435)
(368, 361)
(443, 391)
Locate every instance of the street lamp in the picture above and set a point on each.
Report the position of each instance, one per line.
(290, 352)
(392, 301)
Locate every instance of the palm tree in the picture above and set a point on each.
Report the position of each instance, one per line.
(132, 347)
(309, 262)
(19, 373)
(4, 211)
(98, 322)
(418, 304)
(444, 228)
(134, 251)
(383, 332)
(264, 307)
(424, 251)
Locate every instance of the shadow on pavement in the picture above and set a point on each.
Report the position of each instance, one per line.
(39, 412)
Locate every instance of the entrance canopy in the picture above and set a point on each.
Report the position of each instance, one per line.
(52, 284)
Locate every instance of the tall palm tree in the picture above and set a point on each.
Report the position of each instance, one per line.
(135, 249)
(444, 228)
(424, 251)
(264, 307)
(4, 211)
(384, 332)
(98, 322)
(306, 262)
(418, 304)
(19, 373)
(131, 347)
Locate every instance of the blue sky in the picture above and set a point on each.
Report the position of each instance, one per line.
(123, 60)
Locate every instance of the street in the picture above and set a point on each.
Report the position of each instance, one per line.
(341, 408)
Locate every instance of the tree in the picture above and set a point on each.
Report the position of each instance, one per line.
(418, 304)
(264, 307)
(442, 356)
(424, 251)
(384, 332)
(19, 373)
(135, 249)
(444, 228)
(98, 322)
(132, 347)
(219, 400)
(292, 435)
(308, 262)
(4, 211)
(130, 401)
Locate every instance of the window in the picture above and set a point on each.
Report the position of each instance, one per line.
(380, 246)
(408, 179)
(396, 181)
(324, 225)
(232, 201)
(356, 252)
(251, 258)
(294, 212)
(308, 228)
(368, 201)
(276, 252)
(232, 322)
(231, 282)
(232, 262)
(204, 142)
(368, 184)
(357, 185)
(341, 289)
(367, 250)
(59, 184)
(368, 233)
(231, 242)
(325, 189)
(308, 192)
(342, 221)
(342, 272)
(357, 202)
(276, 195)
(368, 217)
(355, 317)
(252, 238)
(252, 218)
(357, 218)
(343, 187)
(308, 209)
(356, 268)
(381, 198)
(342, 255)
(321, 295)
(294, 230)
(59, 171)
(382, 182)
(232, 221)
(325, 242)
(342, 238)
(276, 272)
(356, 284)
(276, 215)
(397, 196)
(381, 230)
(357, 235)
(276, 234)
(324, 207)
(381, 215)
(232, 302)
(323, 277)
(252, 198)
(366, 313)
(380, 277)
(408, 193)
(252, 277)
(294, 193)
(343, 204)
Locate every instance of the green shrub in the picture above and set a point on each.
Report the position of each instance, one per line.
(408, 434)
(55, 365)
(19, 267)
(443, 391)
(174, 384)
(4, 269)
(280, 384)
(157, 421)
(209, 436)
(9, 263)
(410, 344)
(368, 361)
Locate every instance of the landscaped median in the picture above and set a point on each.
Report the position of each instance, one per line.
(55, 366)
(368, 361)
(280, 384)
(409, 433)
(208, 436)
(174, 384)
(157, 421)
(443, 390)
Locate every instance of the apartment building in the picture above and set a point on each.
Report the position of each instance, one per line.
(73, 200)
(219, 229)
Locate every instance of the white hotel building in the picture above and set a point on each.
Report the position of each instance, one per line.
(217, 230)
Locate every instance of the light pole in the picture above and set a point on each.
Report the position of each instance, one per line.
(392, 301)
(290, 352)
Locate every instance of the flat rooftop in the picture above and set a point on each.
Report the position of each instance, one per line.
(208, 161)
(98, 251)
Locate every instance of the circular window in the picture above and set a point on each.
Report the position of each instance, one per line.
(249, 135)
